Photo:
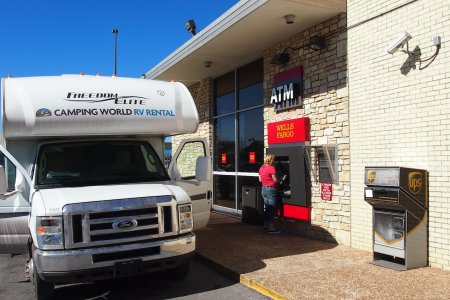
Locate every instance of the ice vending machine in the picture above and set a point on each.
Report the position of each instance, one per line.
(399, 197)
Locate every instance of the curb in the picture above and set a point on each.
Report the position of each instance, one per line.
(241, 278)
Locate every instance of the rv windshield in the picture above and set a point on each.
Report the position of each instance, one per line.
(97, 163)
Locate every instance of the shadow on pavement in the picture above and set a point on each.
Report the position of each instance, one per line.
(244, 248)
(201, 281)
(150, 286)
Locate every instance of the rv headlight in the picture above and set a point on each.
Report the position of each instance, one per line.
(49, 232)
(186, 222)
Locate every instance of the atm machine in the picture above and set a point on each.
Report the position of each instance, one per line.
(399, 197)
(288, 140)
(295, 201)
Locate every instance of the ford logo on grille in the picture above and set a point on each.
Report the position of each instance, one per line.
(126, 224)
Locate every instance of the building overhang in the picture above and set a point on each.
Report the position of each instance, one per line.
(241, 35)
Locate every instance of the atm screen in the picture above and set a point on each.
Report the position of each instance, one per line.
(282, 168)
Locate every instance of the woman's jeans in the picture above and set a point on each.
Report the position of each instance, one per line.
(270, 202)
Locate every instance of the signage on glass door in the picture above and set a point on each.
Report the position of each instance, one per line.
(223, 158)
(287, 89)
(252, 157)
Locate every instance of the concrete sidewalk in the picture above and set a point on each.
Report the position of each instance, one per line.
(287, 266)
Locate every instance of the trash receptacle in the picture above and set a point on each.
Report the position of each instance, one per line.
(252, 205)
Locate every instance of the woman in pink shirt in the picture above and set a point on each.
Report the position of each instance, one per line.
(269, 181)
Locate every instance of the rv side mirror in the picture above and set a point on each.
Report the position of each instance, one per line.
(203, 168)
(3, 184)
(174, 173)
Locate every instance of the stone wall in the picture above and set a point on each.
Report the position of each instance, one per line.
(202, 94)
(399, 108)
(326, 101)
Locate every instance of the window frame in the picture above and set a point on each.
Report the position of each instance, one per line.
(214, 116)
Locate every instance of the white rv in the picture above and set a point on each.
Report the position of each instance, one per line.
(82, 186)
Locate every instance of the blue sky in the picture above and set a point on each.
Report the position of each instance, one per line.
(54, 37)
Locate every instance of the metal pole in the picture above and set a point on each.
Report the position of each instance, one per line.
(115, 31)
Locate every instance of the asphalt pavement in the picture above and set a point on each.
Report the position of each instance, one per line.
(202, 282)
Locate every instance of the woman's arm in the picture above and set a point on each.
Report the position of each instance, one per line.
(274, 178)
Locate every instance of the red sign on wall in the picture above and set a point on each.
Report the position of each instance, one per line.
(326, 191)
(289, 131)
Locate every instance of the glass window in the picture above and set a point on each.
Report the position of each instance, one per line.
(251, 140)
(187, 159)
(250, 85)
(239, 114)
(251, 95)
(224, 191)
(225, 102)
(10, 171)
(97, 163)
(149, 160)
(224, 134)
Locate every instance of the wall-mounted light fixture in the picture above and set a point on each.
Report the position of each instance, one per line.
(289, 19)
(317, 43)
(190, 26)
(280, 58)
(284, 57)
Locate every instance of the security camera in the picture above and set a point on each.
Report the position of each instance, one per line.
(399, 42)
(190, 26)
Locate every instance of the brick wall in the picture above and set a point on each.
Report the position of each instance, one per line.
(399, 109)
(326, 105)
(202, 94)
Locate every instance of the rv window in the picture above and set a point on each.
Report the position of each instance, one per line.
(98, 163)
(187, 159)
(10, 170)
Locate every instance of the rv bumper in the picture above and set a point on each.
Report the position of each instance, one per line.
(100, 263)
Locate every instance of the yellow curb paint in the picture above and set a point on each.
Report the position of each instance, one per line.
(261, 289)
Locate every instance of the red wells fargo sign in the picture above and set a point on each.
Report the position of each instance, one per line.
(288, 131)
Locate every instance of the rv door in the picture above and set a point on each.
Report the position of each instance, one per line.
(191, 169)
(15, 186)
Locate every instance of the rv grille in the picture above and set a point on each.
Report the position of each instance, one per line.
(118, 221)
